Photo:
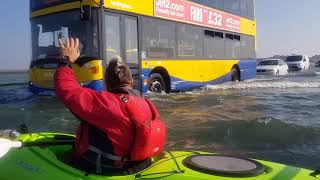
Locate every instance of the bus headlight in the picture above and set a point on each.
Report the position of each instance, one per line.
(145, 82)
(94, 69)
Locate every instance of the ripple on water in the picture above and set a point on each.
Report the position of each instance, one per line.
(264, 133)
(16, 95)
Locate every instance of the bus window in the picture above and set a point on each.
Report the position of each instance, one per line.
(158, 39)
(252, 47)
(229, 53)
(189, 41)
(244, 8)
(237, 46)
(232, 6)
(217, 4)
(131, 32)
(247, 47)
(213, 44)
(112, 35)
(250, 5)
(232, 46)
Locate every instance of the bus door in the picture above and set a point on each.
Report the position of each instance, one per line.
(121, 33)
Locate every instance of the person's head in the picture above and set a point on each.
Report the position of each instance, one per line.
(118, 74)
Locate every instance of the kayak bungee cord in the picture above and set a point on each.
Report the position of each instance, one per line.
(139, 175)
(175, 161)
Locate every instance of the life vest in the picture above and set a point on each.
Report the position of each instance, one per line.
(150, 134)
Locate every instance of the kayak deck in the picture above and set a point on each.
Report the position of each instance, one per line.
(48, 162)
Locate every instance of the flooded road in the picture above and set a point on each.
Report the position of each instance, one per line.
(271, 118)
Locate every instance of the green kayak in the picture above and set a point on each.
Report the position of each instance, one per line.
(41, 158)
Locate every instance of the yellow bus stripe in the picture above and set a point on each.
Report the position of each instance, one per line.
(62, 7)
(91, 71)
(247, 27)
(193, 70)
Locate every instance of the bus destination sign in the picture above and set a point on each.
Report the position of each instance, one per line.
(188, 12)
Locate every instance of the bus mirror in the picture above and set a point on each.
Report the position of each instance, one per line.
(85, 13)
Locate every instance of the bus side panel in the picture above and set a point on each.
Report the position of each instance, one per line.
(248, 69)
(177, 84)
(144, 79)
(187, 74)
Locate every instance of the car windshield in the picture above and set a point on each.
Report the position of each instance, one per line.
(268, 63)
(294, 58)
(47, 30)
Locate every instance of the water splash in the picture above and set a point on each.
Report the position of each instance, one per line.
(256, 85)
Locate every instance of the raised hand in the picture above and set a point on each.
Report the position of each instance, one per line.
(70, 50)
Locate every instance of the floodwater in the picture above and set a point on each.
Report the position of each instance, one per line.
(270, 118)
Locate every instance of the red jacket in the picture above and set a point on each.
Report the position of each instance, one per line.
(103, 110)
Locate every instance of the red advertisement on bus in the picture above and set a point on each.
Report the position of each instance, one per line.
(185, 11)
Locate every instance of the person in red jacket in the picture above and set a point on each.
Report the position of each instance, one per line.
(120, 130)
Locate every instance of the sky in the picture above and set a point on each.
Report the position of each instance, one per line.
(287, 27)
(283, 27)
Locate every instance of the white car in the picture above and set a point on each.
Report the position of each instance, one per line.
(272, 67)
(298, 62)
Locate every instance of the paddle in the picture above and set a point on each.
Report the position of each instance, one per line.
(6, 144)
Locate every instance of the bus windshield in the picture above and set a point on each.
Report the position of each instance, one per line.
(47, 30)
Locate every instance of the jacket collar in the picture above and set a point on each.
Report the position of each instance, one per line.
(125, 90)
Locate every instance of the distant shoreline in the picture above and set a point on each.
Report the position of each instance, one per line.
(13, 71)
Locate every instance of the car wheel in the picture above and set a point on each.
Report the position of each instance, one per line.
(235, 75)
(156, 83)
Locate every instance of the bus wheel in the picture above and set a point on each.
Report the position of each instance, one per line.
(156, 83)
(235, 75)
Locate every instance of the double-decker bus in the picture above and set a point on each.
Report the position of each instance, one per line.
(170, 45)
